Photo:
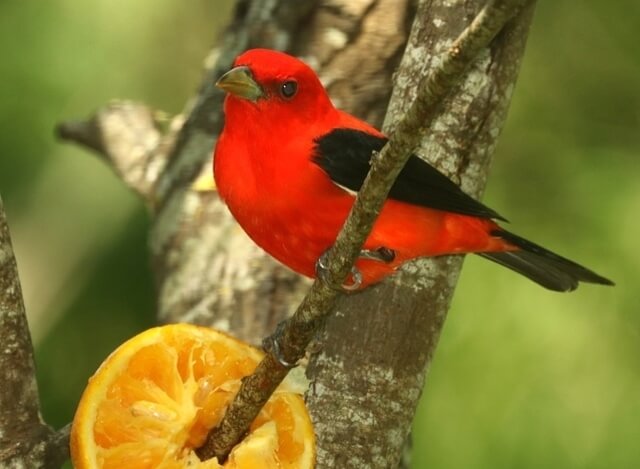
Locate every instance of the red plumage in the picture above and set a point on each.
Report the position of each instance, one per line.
(289, 205)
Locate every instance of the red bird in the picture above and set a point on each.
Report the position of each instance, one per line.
(288, 164)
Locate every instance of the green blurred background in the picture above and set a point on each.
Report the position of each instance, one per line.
(522, 377)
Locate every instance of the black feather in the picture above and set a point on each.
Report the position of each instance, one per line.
(345, 154)
(541, 265)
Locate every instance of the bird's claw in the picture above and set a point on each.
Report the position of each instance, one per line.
(356, 280)
(322, 273)
(382, 254)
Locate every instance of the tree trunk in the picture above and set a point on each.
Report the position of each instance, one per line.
(25, 440)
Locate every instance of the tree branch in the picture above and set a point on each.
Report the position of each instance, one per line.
(291, 341)
(127, 136)
(25, 440)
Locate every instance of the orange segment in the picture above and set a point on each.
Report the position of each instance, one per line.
(153, 401)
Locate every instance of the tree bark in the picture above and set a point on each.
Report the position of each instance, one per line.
(25, 440)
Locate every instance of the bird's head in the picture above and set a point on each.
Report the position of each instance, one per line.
(267, 87)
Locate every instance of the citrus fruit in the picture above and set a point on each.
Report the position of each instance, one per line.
(152, 402)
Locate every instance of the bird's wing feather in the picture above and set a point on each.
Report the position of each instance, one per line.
(344, 154)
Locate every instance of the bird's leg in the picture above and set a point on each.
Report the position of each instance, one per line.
(321, 272)
(382, 254)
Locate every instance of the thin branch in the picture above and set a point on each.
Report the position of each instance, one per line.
(25, 440)
(293, 338)
(127, 136)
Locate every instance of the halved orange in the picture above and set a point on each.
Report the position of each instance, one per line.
(152, 402)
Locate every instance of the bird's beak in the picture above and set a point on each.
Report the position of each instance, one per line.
(239, 82)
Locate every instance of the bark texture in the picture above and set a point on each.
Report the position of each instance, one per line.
(25, 440)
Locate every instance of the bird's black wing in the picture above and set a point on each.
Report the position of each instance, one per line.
(344, 155)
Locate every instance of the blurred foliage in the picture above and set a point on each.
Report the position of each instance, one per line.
(531, 379)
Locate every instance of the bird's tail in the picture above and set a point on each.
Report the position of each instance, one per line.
(541, 265)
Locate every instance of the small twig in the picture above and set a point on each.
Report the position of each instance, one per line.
(126, 135)
(297, 332)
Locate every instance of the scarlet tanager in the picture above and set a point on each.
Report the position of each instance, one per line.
(288, 165)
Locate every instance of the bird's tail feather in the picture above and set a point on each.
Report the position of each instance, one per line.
(541, 265)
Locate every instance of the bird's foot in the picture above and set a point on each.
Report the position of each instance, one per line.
(322, 272)
(271, 345)
(382, 254)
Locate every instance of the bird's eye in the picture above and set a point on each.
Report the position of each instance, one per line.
(288, 89)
